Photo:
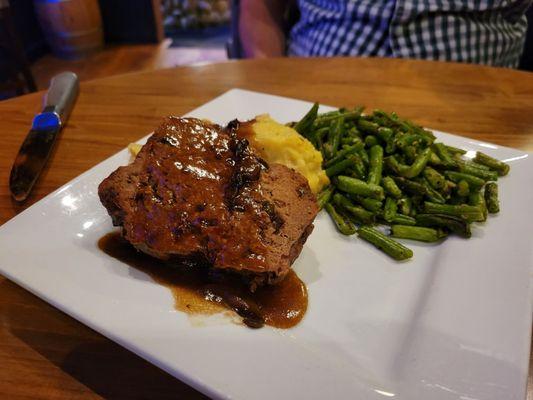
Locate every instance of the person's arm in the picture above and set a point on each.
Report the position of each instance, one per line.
(261, 28)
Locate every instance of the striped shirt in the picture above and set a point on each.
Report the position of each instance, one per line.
(490, 32)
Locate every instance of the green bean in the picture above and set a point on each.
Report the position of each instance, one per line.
(455, 150)
(360, 214)
(431, 193)
(401, 219)
(359, 166)
(390, 209)
(317, 137)
(497, 165)
(473, 181)
(358, 187)
(412, 187)
(408, 139)
(395, 166)
(346, 227)
(364, 156)
(405, 205)
(384, 243)
(387, 135)
(434, 160)
(480, 173)
(416, 233)
(449, 187)
(491, 197)
(352, 131)
(457, 200)
(410, 153)
(384, 133)
(390, 187)
(349, 140)
(376, 165)
(348, 116)
(435, 179)
(371, 140)
(367, 127)
(389, 120)
(303, 127)
(324, 196)
(368, 203)
(418, 165)
(330, 114)
(393, 121)
(467, 212)
(335, 135)
(344, 152)
(422, 189)
(444, 155)
(454, 224)
(463, 189)
(352, 173)
(477, 199)
(339, 167)
(472, 163)
(430, 137)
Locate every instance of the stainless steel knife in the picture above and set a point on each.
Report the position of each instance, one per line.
(45, 129)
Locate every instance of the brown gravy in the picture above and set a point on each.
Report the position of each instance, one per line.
(195, 292)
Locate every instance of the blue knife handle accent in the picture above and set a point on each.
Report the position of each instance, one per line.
(46, 120)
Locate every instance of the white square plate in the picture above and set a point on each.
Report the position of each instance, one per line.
(453, 323)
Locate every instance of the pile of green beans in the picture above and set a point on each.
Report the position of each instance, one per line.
(385, 170)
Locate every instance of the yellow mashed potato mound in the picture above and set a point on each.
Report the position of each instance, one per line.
(281, 144)
(278, 143)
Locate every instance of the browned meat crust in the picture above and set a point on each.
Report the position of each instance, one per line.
(198, 191)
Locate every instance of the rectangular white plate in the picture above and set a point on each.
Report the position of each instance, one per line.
(453, 323)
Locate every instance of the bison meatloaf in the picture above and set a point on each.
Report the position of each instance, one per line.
(198, 191)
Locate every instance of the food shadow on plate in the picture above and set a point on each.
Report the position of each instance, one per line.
(306, 265)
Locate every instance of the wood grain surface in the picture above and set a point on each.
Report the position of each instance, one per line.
(46, 354)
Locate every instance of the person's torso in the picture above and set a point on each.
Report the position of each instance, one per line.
(481, 31)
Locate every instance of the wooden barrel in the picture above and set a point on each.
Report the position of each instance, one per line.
(73, 28)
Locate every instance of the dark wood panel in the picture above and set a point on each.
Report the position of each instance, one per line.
(127, 21)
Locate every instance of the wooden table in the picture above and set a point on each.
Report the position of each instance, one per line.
(46, 354)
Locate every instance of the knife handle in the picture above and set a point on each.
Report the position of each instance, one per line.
(61, 95)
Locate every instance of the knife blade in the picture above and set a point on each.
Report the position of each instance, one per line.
(38, 144)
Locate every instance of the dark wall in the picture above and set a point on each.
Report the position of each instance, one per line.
(125, 21)
(28, 28)
(128, 21)
(527, 57)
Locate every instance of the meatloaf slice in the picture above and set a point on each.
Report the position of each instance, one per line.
(199, 191)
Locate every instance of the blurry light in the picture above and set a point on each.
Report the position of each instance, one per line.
(516, 158)
(488, 146)
(384, 393)
(87, 224)
(69, 202)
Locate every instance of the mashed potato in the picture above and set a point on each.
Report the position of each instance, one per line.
(278, 143)
(281, 144)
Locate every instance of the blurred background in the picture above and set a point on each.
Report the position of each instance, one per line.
(98, 38)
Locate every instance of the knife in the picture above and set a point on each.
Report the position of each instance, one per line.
(39, 142)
